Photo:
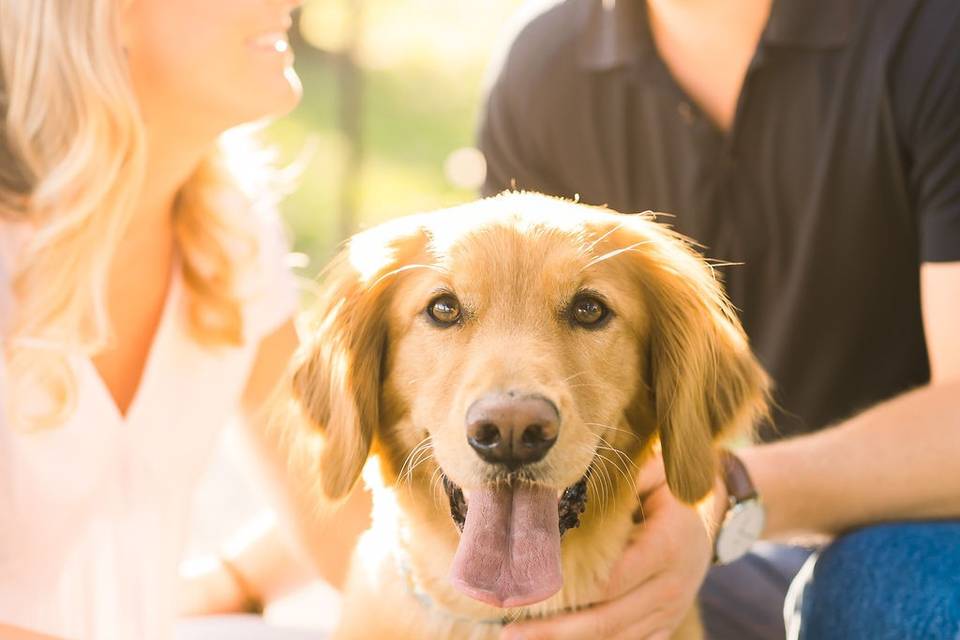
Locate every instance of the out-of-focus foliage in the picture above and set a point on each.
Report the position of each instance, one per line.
(422, 64)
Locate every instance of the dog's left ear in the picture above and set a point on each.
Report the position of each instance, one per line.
(336, 379)
(337, 373)
(704, 379)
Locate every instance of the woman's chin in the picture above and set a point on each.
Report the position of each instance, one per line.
(270, 100)
(287, 94)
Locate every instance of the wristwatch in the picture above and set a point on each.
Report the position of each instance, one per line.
(745, 517)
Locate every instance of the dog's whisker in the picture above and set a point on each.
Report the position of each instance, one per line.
(590, 247)
(592, 384)
(408, 267)
(615, 253)
(607, 483)
(436, 488)
(611, 486)
(621, 460)
(613, 428)
(630, 478)
(426, 457)
(617, 468)
(424, 450)
(593, 484)
(628, 464)
(414, 451)
(623, 456)
(628, 432)
(571, 377)
(406, 469)
(715, 262)
(593, 487)
(603, 485)
(406, 481)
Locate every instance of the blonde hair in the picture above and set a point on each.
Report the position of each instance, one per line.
(72, 152)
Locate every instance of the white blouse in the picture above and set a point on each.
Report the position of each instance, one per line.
(93, 513)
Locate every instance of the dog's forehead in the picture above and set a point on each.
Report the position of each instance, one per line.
(503, 249)
(511, 262)
(516, 232)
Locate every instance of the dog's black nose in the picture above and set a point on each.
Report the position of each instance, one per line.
(512, 430)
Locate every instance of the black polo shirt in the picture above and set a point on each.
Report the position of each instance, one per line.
(839, 177)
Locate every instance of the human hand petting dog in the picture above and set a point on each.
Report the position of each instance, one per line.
(655, 582)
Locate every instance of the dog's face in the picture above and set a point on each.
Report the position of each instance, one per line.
(515, 325)
(522, 348)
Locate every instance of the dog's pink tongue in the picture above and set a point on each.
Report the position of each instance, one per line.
(509, 553)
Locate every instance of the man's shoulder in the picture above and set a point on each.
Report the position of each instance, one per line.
(540, 42)
(889, 27)
(915, 44)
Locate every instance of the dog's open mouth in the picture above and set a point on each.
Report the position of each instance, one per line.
(509, 550)
(573, 502)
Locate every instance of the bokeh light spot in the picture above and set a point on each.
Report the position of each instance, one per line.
(466, 168)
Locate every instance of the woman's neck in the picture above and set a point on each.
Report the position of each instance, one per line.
(170, 163)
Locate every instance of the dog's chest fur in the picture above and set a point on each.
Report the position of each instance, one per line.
(399, 588)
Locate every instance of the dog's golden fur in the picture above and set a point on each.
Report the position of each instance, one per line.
(671, 366)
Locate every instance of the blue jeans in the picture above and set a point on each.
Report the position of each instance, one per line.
(896, 581)
(886, 582)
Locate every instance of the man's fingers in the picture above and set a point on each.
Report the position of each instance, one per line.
(644, 558)
(642, 632)
(645, 611)
(601, 621)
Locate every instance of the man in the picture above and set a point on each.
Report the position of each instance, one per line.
(815, 144)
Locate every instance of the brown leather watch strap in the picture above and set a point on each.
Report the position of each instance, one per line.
(736, 478)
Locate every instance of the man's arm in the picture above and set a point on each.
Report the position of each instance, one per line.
(896, 461)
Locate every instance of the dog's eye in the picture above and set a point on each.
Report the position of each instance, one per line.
(587, 311)
(444, 310)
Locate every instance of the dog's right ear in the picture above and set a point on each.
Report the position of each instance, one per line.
(704, 381)
(337, 372)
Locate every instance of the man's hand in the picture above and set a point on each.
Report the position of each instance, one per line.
(656, 581)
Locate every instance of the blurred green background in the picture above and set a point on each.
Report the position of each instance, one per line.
(386, 126)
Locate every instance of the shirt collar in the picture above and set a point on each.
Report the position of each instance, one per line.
(811, 24)
(615, 32)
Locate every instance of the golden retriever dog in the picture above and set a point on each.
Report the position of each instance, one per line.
(505, 366)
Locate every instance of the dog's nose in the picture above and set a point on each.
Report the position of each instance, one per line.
(512, 430)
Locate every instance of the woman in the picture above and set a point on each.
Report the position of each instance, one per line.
(144, 298)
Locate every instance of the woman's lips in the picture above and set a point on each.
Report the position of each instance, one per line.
(275, 41)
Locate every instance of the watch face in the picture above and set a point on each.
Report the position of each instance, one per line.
(741, 528)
